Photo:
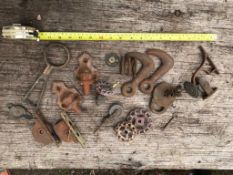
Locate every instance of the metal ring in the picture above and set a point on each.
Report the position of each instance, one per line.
(48, 62)
(112, 59)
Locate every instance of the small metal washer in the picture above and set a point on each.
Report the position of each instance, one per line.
(112, 59)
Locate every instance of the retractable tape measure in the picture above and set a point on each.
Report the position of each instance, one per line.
(17, 31)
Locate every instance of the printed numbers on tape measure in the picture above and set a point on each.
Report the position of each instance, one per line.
(126, 36)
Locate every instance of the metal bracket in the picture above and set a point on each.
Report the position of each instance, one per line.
(43, 131)
(86, 73)
(66, 130)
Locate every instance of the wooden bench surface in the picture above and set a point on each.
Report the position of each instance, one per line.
(201, 135)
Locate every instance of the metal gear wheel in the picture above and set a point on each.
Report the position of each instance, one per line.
(141, 119)
(126, 131)
(104, 88)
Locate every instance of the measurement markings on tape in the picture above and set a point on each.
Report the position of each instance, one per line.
(25, 32)
(69, 36)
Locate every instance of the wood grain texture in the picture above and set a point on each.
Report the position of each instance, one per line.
(201, 135)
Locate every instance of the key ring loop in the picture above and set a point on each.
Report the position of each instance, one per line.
(56, 65)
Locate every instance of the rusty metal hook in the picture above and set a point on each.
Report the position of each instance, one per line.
(129, 88)
(204, 57)
(167, 62)
(164, 94)
(193, 87)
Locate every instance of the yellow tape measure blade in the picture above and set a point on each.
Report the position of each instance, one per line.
(69, 36)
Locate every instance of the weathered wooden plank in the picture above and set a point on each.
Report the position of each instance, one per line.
(201, 135)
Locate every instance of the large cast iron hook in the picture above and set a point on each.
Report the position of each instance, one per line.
(129, 88)
(167, 62)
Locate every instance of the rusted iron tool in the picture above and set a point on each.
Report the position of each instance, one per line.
(45, 75)
(43, 131)
(147, 85)
(67, 98)
(193, 87)
(128, 89)
(86, 73)
(163, 96)
(66, 130)
(114, 110)
(128, 66)
(204, 84)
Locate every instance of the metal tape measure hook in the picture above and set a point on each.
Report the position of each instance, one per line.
(17, 31)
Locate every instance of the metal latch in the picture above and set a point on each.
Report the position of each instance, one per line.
(17, 31)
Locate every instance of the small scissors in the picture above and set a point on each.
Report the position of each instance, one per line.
(45, 75)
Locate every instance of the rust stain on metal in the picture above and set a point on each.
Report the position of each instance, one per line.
(128, 66)
(63, 132)
(42, 131)
(86, 73)
(167, 62)
(68, 98)
(67, 131)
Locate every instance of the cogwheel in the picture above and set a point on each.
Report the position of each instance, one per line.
(104, 88)
(126, 131)
(141, 118)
